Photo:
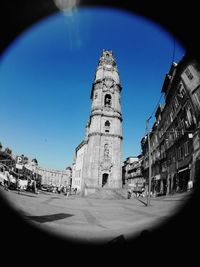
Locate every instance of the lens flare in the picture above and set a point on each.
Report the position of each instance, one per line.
(65, 5)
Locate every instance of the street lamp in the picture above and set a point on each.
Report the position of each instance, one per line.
(149, 149)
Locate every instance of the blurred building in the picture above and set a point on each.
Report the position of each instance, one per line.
(55, 177)
(77, 169)
(132, 173)
(7, 159)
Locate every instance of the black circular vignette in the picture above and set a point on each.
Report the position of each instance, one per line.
(176, 239)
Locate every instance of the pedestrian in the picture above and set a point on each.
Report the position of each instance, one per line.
(59, 189)
(64, 190)
(129, 193)
(6, 181)
(68, 192)
(18, 186)
(75, 191)
(34, 187)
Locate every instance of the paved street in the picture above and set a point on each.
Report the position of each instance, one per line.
(93, 220)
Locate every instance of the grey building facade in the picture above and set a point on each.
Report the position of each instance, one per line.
(174, 137)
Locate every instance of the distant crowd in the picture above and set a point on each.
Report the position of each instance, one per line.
(11, 181)
(66, 190)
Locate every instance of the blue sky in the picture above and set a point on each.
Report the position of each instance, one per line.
(46, 78)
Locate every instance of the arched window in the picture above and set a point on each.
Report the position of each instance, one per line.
(107, 100)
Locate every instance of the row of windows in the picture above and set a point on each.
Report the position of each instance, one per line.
(77, 182)
(181, 125)
(181, 92)
(197, 97)
(189, 74)
(183, 150)
(78, 173)
(50, 173)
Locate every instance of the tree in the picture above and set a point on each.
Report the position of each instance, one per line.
(1, 146)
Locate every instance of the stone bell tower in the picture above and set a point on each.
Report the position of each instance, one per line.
(102, 163)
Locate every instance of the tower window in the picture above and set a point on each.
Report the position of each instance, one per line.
(107, 126)
(107, 100)
(107, 123)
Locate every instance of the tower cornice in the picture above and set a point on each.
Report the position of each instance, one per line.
(105, 110)
(107, 115)
(105, 134)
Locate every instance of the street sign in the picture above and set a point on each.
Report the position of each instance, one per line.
(19, 159)
(19, 166)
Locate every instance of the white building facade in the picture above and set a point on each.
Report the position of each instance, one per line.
(55, 177)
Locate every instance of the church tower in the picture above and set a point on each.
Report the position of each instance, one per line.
(103, 160)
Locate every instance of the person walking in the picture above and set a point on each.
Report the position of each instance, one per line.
(18, 185)
(6, 181)
(68, 192)
(35, 187)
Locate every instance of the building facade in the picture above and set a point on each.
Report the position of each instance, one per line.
(132, 173)
(174, 137)
(55, 177)
(101, 163)
(77, 169)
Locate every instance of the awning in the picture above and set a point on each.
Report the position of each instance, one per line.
(131, 185)
(182, 170)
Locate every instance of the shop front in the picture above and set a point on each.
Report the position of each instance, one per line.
(183, 179)
(160, 184)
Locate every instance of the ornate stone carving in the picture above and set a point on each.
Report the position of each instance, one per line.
(106, 165)
(108, 85)
(107, 59)
(98, 85)
(106, 152)
(108, 109)
(117, 88)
